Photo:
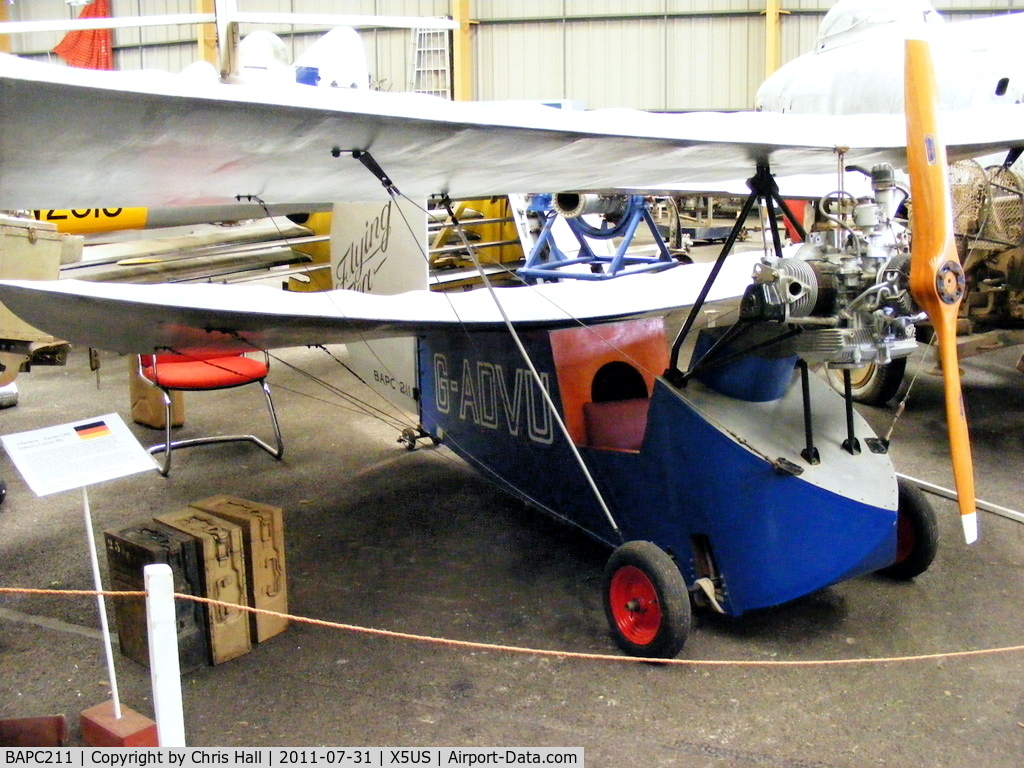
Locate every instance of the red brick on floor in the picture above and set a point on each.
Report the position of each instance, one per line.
(101, 729)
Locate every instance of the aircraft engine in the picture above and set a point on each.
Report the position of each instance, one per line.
(989, 229)
(847, 287)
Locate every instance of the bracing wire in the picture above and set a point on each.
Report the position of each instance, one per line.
(398, 418)
(357, 404)
(471, 250)
(523, 283)
(902, 405)
(394, 193)
(534, 373)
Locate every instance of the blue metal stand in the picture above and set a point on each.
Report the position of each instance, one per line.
(548, 262)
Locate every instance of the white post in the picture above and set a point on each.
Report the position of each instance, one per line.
(104, 629)
(162, 627)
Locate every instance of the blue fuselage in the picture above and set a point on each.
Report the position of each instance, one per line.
(701, 481)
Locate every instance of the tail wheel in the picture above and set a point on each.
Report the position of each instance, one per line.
(646, 601)
(917, 534)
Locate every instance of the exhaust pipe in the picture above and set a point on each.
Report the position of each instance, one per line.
(572, 205)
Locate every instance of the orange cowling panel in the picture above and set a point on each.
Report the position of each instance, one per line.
(580, 352)
(208, 373)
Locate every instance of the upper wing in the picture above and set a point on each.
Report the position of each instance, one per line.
(81, 139)
(142, 318)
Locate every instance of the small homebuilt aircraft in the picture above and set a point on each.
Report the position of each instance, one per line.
(734, 479)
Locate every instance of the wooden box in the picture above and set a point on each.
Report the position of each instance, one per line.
(263, 535)
(222, 556)
(129, 551)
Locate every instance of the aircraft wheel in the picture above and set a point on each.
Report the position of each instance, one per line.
(408, 438)
(917, 534)
(871, 384)
(646, 601)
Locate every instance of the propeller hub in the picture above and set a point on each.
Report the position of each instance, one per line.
(950, 282)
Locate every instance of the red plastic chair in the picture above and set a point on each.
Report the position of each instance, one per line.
(202, 372)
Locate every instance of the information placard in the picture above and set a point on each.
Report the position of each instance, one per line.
(76, 455)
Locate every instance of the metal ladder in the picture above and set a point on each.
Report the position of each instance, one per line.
(430, 63)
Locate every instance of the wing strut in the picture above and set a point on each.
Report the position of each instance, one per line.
(372, 166)
(533, 373)
(762, 189)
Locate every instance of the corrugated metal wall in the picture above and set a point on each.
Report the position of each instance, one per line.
(170, 48)
(670, 54)
(647, 54)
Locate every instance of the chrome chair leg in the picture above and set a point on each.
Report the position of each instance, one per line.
(276, 450)
(165, 465)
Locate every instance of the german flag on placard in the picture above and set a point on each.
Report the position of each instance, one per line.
(92, 429)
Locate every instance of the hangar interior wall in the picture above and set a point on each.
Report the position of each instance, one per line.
(646, 54)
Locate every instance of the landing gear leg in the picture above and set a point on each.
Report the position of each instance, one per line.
(410, 437)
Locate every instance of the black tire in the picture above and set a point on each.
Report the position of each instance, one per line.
(872, 384)
(646, 601)
(917, 534)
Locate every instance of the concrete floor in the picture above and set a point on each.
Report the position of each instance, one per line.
(381, 537)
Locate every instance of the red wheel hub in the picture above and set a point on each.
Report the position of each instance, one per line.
(904, 538)
(634, 604)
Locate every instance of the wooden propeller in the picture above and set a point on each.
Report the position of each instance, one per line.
(936, 277)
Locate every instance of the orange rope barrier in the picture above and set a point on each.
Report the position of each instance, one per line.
(478, 646)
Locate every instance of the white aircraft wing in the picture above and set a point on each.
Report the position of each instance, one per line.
(81, 139)
(141, 318)
(73, 138)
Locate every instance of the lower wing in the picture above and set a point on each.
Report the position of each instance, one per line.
(142, 318)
